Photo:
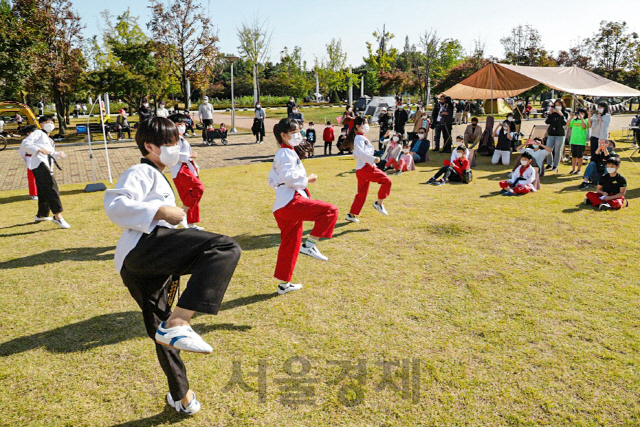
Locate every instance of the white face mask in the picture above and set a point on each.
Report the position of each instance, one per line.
(611, 170)
(295, 139)
(458, 154)
(600, 110)
(401, 107)
(365, 127)
(161, 105)
(258, 106)
(48, 127)
(182, 130)
(511, 119)
(524, 162)
(535, 147)
(558, 108)
(396, 139)
(405, 150)
(421, 135)
(206, 101)
(169, 154)
(145, 105)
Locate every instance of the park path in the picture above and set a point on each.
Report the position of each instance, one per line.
(241, 150)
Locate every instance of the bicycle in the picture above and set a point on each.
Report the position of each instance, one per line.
(3, 142)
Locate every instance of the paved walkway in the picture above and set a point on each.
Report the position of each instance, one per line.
(241, 150)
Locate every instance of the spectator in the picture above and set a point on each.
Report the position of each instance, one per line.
(342, 144)
(84, 108)
(599, 123)
(596, 167)
(578, 125)
(19, 121)
(311, 138)
(162, 111)
(328, 136)
(404, 163)
(518, 114)
(386, 127)
(205, 112)
(557, 120)
(144, 112)
(401, 118)
(441, 119)
(635, 127)
(41, 108)
(420, 147)
(258, 123)
(393, 151)
(188, 122)
(123, 124)
(290, 105)
(611, 189)
(538, 151)
(459, 111)
(420, 119)
(297, 115)
(453, 171)
(502, 152)
(522, 178)
(466, 114)
(347, 117)
(472, 134)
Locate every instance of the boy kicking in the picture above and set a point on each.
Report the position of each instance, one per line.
(152, 253)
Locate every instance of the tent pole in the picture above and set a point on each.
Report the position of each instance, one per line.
(491, 78)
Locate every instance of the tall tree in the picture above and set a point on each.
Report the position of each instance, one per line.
(430, 43)
(185, 41)
(613, 46)
(255, 39)
(524, 47)
(381, 56)
(332, 70)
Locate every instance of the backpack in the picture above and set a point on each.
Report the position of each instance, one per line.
(467, 176)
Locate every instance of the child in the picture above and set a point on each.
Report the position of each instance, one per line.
(41, 155)
(392, 151)
(31, 180)
(459, 143)
(611, 189)
(366, 172)
(341, 145)
(538, 151)
(454, 171)
(597, 166)
(311, 138)
(222, 128)
(151, 252)
(579, 126)
(293, 206)
(328, 137)
(185, 175)
(522, 178)
(404, 163)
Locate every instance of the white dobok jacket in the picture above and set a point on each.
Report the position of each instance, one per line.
(363, 151)
(287, 176)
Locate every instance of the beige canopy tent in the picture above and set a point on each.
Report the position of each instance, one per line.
(503, 81)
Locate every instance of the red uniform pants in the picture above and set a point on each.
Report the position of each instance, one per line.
(397, 165)
(594, 198)
(290, 219)
(518, 189)
(31, 180)
(190, 190)
(367, 175)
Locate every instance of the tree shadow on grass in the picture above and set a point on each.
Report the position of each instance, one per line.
(271, 240)
(106, 329)
(57, 255)
(166, 417)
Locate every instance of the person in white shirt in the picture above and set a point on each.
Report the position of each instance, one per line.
(162, 111)
(522, 178)
(366, 172)
(41, 155)
(293, 206)
(185, 175)
(205, 112)
(152, 253)
(539, 152)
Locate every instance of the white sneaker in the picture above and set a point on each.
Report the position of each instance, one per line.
(61, 223)
(283, 288)
(43, 218)
(380, 208)
(182, 338)
(192, 408)
(351, 218)
(34, 197)
(313, 252)
(195, 227)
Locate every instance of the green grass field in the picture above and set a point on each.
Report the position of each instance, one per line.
(518, 311)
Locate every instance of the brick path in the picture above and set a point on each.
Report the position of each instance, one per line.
(241, 150)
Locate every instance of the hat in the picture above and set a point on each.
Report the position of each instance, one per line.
(205, 98)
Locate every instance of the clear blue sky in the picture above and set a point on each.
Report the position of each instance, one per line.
(311, 24)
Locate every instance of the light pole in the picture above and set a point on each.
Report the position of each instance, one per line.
(232, 59)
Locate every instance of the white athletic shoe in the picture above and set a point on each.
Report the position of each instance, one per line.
(61, 223)
(192, 408)
(313, 252)
(380, 208)
(195, 227)
(283, 288)
(43, 218)
(34, 197)
(351, 218)
(182, 338)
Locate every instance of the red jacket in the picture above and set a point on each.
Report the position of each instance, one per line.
(328, 135)
(460, 165)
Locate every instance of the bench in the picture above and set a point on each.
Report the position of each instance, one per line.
(96, 128)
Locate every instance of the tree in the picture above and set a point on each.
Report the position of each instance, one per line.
(332, 70)
(384, 56)
(612, 46)
(524, 47)
(255, 39)
(185, 42)
(576, 56)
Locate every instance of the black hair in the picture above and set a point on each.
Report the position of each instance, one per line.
(43, 119)
(351, 136)
(460, 137)
(614, 160)
(527, 155)
(537, 138)
(311, 123)
(329, 122)
(604, 105)
(582, 110)
(157, 131)
(284, 126)
(474, 119)
(460, 148)
(178, 118)
(422, 128)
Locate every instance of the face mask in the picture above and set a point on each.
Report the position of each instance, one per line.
(258, 106)
(610, 149)
(344, 134)
(169, 155)
(505, 129)
(558, 108)
(182, 130)
(145, 105)
(365, 127)
(294, 111)
(600, 110)
(401, 107)
(611, 170)
(161, 105)
(405, 150)
(396, 139)
(421, 135)
(458, 154)
(524, 162)
(206, 101)
(511, 119)
(474, 124)
(49, 127)
(535, 147)
(295, 139)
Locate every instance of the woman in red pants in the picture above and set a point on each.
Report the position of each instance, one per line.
(294, 205)
(366, 172)
(185, 175)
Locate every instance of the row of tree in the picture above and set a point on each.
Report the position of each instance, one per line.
(43, 55)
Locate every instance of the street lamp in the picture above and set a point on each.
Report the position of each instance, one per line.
(232, 59)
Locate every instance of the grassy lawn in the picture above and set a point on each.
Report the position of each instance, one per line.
(518, 311)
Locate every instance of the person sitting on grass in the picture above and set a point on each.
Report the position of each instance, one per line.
(459, 143)
(611, 189)
(405, 161)
(452, 171)
(472, 134)
(538, 151)
(392, 151)
(579, 126)
(420, 147)
(522, 178)
(596, 167)
(502, 153)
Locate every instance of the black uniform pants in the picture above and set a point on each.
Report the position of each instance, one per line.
(48, 193)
